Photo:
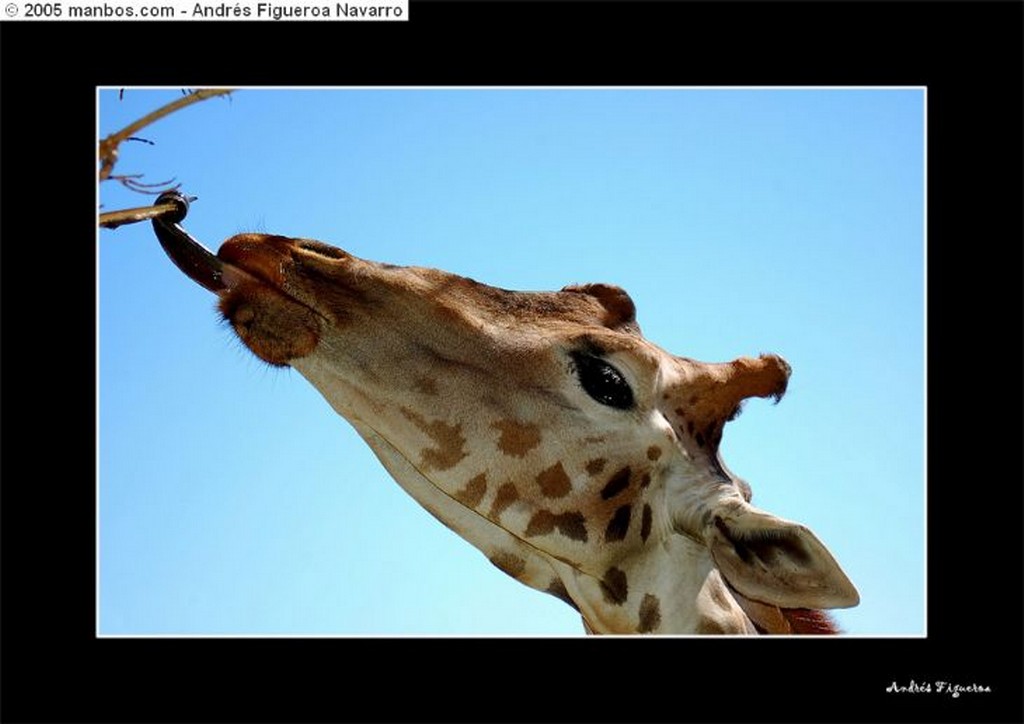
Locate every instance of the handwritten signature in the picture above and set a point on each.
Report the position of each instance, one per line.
(945, 688)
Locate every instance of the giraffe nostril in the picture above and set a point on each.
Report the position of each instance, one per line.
(321, 249)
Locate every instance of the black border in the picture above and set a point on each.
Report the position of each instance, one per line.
(968, 54)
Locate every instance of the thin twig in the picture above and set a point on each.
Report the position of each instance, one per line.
(132, 182)
(108, 146)
(114, 219)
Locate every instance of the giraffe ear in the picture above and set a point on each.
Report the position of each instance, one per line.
(775, 561)
(618, 305)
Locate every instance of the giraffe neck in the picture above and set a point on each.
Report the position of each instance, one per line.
(677, 590)
(670, 587)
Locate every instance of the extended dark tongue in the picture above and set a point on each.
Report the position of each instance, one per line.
(200, 264)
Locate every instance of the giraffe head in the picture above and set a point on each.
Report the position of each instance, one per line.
(544, 429)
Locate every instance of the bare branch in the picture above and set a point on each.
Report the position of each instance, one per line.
(131, 182)
(109, 145)
(114, 219)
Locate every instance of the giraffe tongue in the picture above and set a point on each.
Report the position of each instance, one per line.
(197, 262)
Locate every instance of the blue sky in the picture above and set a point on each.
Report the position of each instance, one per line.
(234, 501)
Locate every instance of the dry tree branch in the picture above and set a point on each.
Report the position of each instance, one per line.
(132, 182)
(108, 151)
(113, 219)
(108, 146)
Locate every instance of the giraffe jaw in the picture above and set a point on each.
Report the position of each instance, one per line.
(538, 570)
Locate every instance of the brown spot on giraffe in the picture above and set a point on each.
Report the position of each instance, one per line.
(653, 453)
(650, 614)
(511, 564)
(645, 523)
(614, 586)
(594, 467)
(426, 385)
(616, 484)
(557, 589)
(474, 492)
(506, 495)
(449, 442)
(618, 526)
(517, 438)
(645, 480)
(572, 524)
(710, 627)
(554, 482)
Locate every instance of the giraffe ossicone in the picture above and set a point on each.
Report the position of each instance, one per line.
(545, 430)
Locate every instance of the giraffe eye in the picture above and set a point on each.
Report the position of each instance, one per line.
(603, 382)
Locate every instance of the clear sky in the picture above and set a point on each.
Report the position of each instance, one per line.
(233, 500)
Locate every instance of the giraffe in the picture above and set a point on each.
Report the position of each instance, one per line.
(580, 458)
